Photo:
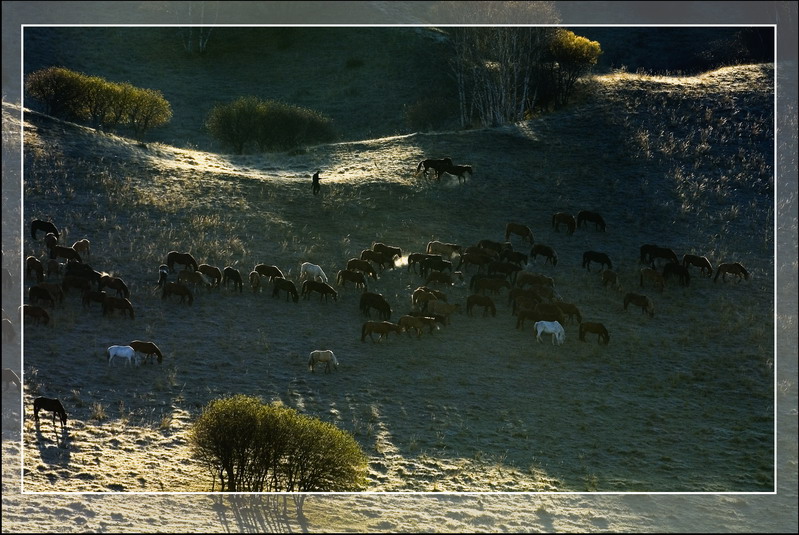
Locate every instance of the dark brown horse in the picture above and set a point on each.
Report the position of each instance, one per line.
(439, 166)
(733, 268)
(115, 283)
(677, 270)
(612, 278)
(323, 288)
(378, 257)
(197, 278)
(569, 310)
(231, 274)
(55, 290)
(269, 271)
(36, 312)
(90, 296)
(84, 247)
(213, 273)
(380, 327)
(111, 303)
(585, 216)
(73, 281)
(596, 328)
(649, 253)
(39, 295)
(34, 265)
(520, 230)
(356, 264)
(601, 258)
(346, 275)
(460, 171)
(545, 251)
(564, 218)
(704, 265)
(62, 251)
(483, 301)
(44, 226)
(148, 349)
(51, 405)
(370, 300)
(185, 259)
(641, 301)
(417, 323)
(179, 289)
(435, 263)
(390, 251)
(281, 283)
(541, 312)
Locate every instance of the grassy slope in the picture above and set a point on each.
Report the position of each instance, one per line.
(680, 402)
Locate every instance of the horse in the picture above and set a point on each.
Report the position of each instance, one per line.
(570, 310)
(356, 264)
(110, 303)
(596, 328)
(281, 283)
(390, 251)
(435, 263)
(345, 275)
(442, 308)
(115, 283)
(72, 281)
(439, 166)
(50, 404)
(185, 259)
(38, 314)
(550, 327)
(418, 323)
(701, 262)
(85, 271)
(122, 352)
(481, 300)
(649, 253)
(380, 327)
(423, 294)
(268, 271)
(492, 284)
(45, 226)
(83, 247)
(62, 251)
(370, 300)
(379, 258)
(515, 257)
(566, 219)
(541, 312)
(255, 280)
(584, 216)
(415, 259)
(231, 274)
(654, 276)
(312, 270)
(179, 289)
(508, 269)
(440, 277)
(592, 256)
(733, 268)
(33, 264)
(520, 230)
(323, 288)
(523, 278)
(188, 276)
(612, 278)
(459, 171)
(98, 296)
(444, 249)
(37, 294)
(10, 376)
(476, 259)
(528, 294)
(495, 246)
(50, 240)
(322, 355)
(55, 290)
(546, 251)
(213, 273)
(148, 349)
(642, 301)
(678, 270)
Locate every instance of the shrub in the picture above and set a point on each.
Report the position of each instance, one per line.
(258, 447)
(58, 89)
(431, 113)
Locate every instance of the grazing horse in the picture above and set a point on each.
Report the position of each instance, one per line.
(10, 376)
(50, 404)
(287, 286)
(110, 303)
(83, 247)
(370, 300)
(345, 275)
(379, 258)
(115, 283)
(322, 355)
(213, 273)
(356, 264)
(415, 259)
(179, 289)
(435, 263)
(269, 271)
(460, 171)
(197, 278)
(62, 251)
(701, 262)
(733, 268)
(408, 322)
(185, 259)
(541, 312)
(649, 253)
(508, 269)
(439, 166)
(678, 270)
(89, 296)
(442, 308)
(566, 219)
(33, 264)
(45, 226)
(323, 288)
(492, 284)
(148, 349)
(38, 314)
(520, 230)
(546, 251)
(654, 276)
(231, 274)
(481, 300)
(37, 294)
(255, 280)
(612, 278)
(569, 310)
(423, 294)
(313, 271)
(440, 278)
(596, 328)
(585, 216)
(515, 257)
(84, 271)
(550, 327)
(476, 259)
(641, 301)
(126, 353)
(592, 256)
(392, 252)
(447, 250)
(523, 278)
(380, 327)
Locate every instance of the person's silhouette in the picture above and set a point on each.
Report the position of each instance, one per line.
(316, 186)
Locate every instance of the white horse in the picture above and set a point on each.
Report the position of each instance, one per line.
(122, 352)
(322, 355)
(550, 327)
(312, 270)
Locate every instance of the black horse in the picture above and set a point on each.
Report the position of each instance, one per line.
(651, 252)
(592, 217)
(45, 226)
(231, 274)
(593, 256)
(439, 166)
(678, 270)
(371, 300)
(52, 405)
(287, 286)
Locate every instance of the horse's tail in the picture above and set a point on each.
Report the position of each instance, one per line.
(718, 272)
(311, 362)
(419, 167)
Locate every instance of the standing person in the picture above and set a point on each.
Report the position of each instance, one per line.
(316, 186)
